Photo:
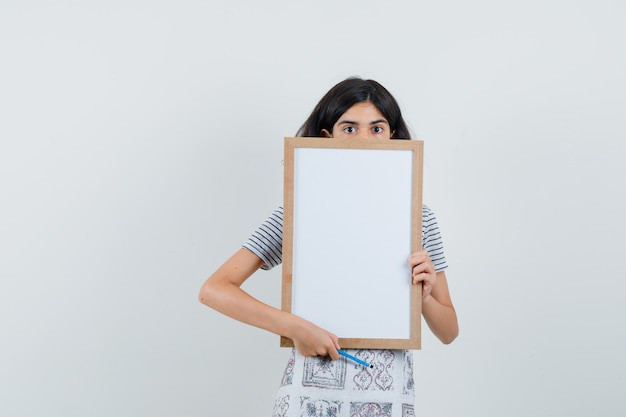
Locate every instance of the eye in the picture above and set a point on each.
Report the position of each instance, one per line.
(349, 129)
(378, 129)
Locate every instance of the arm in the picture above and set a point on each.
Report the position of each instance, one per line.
(222, 292)
(439, 312)
(437, 307)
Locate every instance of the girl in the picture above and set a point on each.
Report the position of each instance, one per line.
(317, 382)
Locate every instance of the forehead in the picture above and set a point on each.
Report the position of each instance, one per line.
(364, 111)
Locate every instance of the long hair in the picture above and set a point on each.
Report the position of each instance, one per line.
(346, 94)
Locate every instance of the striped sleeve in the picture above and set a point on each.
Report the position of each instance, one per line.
(431, 239)
(267, 241)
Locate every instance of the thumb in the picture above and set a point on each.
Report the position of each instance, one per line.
(426, 287)
(336, 343)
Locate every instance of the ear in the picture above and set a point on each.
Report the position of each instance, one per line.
(326, 133)
(392, 135)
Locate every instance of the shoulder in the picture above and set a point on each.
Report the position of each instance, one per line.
(431, 239)
(428, 216)
(430, 227)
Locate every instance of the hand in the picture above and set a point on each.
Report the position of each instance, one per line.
(311, 340)
(423, 270)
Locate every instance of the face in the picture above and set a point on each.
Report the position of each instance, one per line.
(362, 121)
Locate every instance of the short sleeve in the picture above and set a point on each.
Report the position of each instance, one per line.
(431, 239)
(267, 241)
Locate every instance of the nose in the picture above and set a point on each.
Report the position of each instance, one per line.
(367, 134)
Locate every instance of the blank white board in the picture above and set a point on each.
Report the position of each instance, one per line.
(352, 219)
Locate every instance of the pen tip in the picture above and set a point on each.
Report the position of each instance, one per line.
(371, 366)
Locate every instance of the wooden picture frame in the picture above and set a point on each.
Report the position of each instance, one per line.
(352, 217)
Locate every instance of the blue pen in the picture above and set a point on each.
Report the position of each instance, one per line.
(354, 358)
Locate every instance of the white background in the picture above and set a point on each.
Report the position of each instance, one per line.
(141, 143)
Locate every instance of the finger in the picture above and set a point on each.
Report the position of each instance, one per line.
(419, 254)
(422, 277)
(426, 288)
(426, 266)
(416, 259)
(334, 355)
(421, 272)
(418, 269)
(419, 259)
(332, 349)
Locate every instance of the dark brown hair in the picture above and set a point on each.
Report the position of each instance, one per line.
(346, 94)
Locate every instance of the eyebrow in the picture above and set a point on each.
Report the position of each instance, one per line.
(375, 122)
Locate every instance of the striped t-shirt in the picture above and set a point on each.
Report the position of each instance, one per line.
(267, 241)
